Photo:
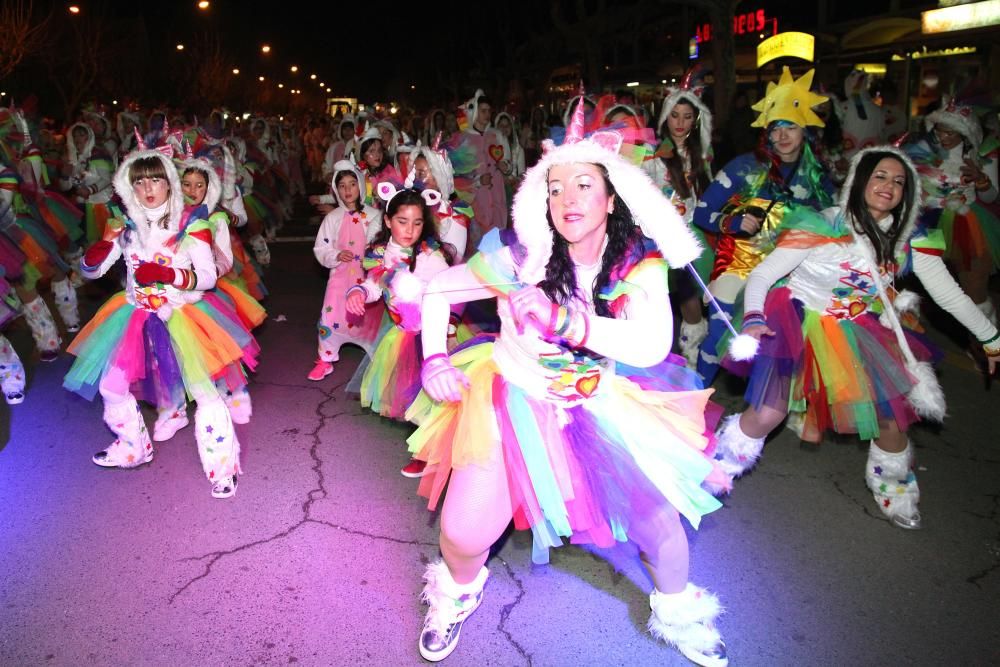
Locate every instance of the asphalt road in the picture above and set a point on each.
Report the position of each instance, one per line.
(317, 559)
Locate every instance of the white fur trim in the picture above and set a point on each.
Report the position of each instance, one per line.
(75, 157)
(738, 452)
(136, 211)
(686, 620)
(655, 215)
(967, 126)
(704, 117)
(441, 584)
(911, 173)
(214, 190)
(926, 397)
(348, 165)
(440, 166)
(743, 347)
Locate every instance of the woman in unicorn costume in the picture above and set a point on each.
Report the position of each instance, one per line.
(836, 337)
(569, 422)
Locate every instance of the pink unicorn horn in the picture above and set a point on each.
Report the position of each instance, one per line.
(575, 131)
(436, 145)
(139, 143)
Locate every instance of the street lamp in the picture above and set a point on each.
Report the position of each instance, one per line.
(74, 9)
(204, 4)
(294, 69)
(265, 49)
(236, 70)
(312, 76)
(281, 85)
(260, 78)
(180, 47)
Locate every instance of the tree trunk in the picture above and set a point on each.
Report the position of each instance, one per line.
(723, 59)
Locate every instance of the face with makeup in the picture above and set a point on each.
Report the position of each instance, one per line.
(885, 187)
(151, 191)
(424, 174)
(680, 121)
(579, 202)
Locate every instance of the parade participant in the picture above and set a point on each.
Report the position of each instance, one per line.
(475, 155)
(256, 211)
(104, 134)
(748, 198)
(832, 343)
(126, 124)
(87, 176)
(402, 259)
(341, 243)
(542, 425)
(956, 183)
(370, 156)
(11, 368)
(431, 169)
(512, 164)
(682, 167)
(159, 340)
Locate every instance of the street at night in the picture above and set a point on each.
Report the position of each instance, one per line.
(317, 560)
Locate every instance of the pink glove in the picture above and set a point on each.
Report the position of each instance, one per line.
(149, 273)
(441, 380)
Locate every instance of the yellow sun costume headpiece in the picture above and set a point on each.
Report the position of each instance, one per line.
(789, 100)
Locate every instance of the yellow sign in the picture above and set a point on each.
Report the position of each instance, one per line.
(871, 68)
(792, 44)
(961, 17)
(939, 53)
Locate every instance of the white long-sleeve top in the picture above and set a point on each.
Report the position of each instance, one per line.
(428, 265)
(834, 279)
(641, 337)
(149, 244)
(325, 247)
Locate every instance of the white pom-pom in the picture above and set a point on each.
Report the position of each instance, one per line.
(743, 347)
(164, 312)
(406, 287)
(926, 397)
(907, 301)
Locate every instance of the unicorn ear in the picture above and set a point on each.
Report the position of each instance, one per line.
(386, 191)
(431, 197)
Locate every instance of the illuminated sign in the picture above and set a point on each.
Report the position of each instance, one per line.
(693, 48)
(743, 24)
(792, 44)
(961, 17)
(871, 68)
(938, 53)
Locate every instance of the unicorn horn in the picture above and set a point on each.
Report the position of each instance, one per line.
(139, 143)
(188, 153)
(436, 145)
(575, 131)
(898, 143)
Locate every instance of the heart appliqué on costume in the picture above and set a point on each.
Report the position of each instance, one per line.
(155, 301)
(588, 385)
(496, 152)
(856, 308)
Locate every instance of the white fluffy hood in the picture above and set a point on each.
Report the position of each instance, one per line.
(136, 211)
(214, 190)
(440, 166)
(76, 157)
(348, 165)
(675, 95)
(654, 214)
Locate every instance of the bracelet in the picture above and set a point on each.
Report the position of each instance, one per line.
(434, 357)
(566, 315)
(995, 338)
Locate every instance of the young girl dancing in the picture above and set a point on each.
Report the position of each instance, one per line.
(158, 340)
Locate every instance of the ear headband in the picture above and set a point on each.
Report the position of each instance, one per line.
(387, 191)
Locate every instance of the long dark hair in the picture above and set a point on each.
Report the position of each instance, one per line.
(857, 209)
(428, 230)
(560, 276)
(675, 163)
(385, 156)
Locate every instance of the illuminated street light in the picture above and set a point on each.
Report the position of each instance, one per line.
(294, 69)
(328, 90)
(281, 85)
(413, 87)
(73, 9)
(236, 70)
(322, 85)
(204, 4)
(312, 76)
(180, 47)
(265, 49)
(260, 78)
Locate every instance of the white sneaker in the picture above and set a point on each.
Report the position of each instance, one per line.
(224, 487)
(116, 456)
(450, 605)
(168, 423)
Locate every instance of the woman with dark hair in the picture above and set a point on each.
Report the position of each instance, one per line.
(572, 421)
(682, 169)
(750, 196)
(370, 154)
(832, 342)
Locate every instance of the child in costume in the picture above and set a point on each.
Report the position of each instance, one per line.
(431, 169)
(561, 423)
(749, 197)
(11, 368)
(341, 243)
(159, 340)
(402, 259)
(255, 211)
(87, 176)
(833, 344)
(371, 157)
(682, 167)
(476, 155)
(958, 186)
(512, 164)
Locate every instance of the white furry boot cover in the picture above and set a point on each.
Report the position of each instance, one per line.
(131, 447)
(736, 451)
(450, 604)
(43, 327)
(260, 250)
(892, 482)
(686, 621)
(66, 304)
(689, 341)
